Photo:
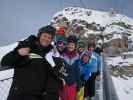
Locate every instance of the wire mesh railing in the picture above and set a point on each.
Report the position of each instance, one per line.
(6, 75)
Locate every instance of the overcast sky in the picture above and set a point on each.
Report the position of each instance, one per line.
(20, 18)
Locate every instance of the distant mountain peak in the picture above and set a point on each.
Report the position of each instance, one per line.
(87, 21)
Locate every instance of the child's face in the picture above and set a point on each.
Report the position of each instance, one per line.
(71, 46)
(81, 49)
(86, 59)
(91, 48)
(60, 48)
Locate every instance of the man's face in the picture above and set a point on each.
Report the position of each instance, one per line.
(86, 59)
(45, 39)
(71, 46)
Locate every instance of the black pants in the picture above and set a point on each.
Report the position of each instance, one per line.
(90, 86)
(33, 97)
(23, 97)
(51, 96)
(16, 95)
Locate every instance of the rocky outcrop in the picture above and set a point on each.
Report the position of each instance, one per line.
(121, 71)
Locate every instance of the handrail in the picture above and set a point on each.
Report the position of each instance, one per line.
(109, 92)
(5, 68)
(6, 79)
(101, 80)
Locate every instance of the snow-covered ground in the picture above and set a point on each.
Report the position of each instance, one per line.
(124, 87)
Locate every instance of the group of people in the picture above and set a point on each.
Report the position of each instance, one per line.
(51, 66)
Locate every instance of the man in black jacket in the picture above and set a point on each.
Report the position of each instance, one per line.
(34, 77)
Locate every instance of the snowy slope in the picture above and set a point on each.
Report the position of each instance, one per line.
(5, 49)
